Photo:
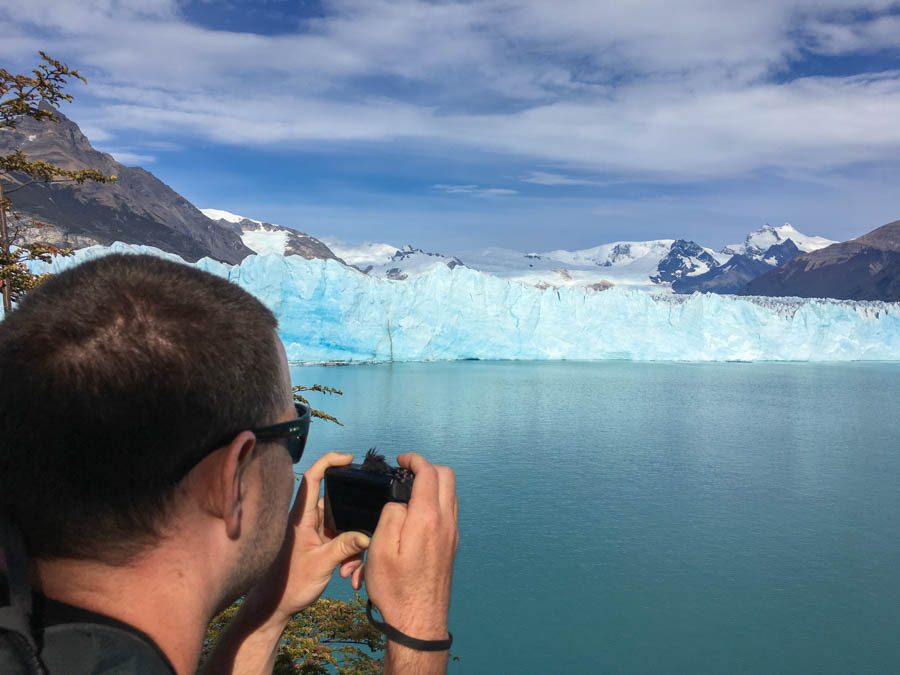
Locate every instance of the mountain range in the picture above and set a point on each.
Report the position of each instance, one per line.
(141, 209)
(865, 268)
(677, 264)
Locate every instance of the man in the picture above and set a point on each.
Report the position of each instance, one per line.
(147, 428)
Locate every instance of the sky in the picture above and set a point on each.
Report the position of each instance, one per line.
(527, 124)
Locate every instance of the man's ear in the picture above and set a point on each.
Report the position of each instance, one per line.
(232, 480)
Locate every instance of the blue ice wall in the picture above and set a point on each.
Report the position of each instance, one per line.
(329, 312)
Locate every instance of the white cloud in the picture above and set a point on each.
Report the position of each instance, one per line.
(863, 36)
(474, 190)
(546, 178)
(645, 90)
(95, 133)
(498, 191)
(131, 158)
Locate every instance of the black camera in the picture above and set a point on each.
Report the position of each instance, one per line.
(356, 493)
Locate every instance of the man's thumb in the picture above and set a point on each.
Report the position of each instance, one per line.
(348, 544)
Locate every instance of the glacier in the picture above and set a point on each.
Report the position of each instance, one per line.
(329, 312)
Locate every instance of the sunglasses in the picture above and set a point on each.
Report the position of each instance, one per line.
(294, 431)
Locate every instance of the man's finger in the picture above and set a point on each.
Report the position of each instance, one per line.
(359, 574)
(446, 489)
(350, 566)
(425, 485)
(346, 545)
(390, 524)
(320, 519)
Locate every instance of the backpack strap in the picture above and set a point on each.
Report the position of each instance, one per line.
(16, 617)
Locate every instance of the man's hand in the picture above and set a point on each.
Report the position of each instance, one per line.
(310, 554)
(295, 580)
(409, 568)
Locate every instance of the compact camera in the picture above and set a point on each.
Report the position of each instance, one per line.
(356, 493)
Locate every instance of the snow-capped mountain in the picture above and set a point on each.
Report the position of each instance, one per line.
(360, 255)
(684, 259)
(647, 265)
(389, 262)
(618, 253)
(760, 241)
(634, 264)
(762, 250)
(263, 238)
(659, 265)
(865, 268)
(730, 277)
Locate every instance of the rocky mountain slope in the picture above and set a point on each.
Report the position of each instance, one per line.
(741, 268)
(139, 208)
(761, 240)
(730, 277)
(762, 250)
(263, 238)
(865, 268)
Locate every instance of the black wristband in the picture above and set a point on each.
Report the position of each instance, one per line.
(395, 635)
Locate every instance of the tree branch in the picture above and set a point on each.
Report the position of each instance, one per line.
(33, 180)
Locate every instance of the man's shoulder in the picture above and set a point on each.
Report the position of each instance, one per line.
(73, 640)
(86, 648)
(94, 648)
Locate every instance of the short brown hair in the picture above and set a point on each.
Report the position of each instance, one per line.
(117, 376)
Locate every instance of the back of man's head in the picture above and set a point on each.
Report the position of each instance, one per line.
(116, 377)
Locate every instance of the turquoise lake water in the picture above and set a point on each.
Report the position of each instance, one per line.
(653, 517)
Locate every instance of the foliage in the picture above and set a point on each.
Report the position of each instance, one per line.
(21, 96)
(330, 632)
(328, 636)
(45, 172)
(13, 270)
(322, 389)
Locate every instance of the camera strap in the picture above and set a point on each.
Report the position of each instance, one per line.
(395, 635)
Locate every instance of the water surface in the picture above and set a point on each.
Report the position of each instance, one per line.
(653, 517)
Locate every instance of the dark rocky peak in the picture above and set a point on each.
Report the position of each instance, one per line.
(409, 251)
(64, 135)
(137, 209)
(395, 274)
(778, 254)
(619, 252)
(686, 248)
(683, 259)
(731, 277)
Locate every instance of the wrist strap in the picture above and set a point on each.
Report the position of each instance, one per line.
(395, 635)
